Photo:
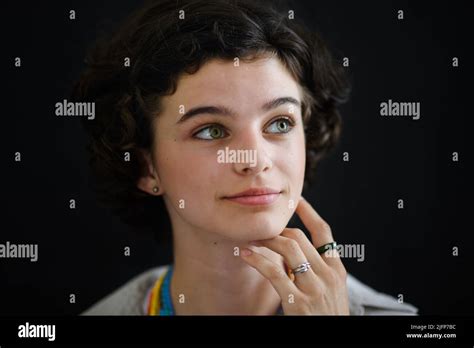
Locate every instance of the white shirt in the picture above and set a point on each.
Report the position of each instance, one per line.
(132, 298)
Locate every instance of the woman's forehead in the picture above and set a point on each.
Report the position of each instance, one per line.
(222, 81)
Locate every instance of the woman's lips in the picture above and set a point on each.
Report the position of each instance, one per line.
(256, 200)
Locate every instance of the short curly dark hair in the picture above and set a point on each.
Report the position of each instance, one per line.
(160, 45)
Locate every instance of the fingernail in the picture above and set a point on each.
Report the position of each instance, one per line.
(246, 252)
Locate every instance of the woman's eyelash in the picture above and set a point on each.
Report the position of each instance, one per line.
(291, 124)
(206, 127)
(290, 120)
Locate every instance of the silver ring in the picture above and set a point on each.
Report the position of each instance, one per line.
(304, 267)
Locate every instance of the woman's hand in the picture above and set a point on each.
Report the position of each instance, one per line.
(322, 289)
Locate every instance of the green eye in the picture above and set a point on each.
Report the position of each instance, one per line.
(283, 125)
(213, 131)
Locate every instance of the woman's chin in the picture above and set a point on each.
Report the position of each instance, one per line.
(260, 231)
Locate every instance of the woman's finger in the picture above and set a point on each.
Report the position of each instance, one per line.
(294, 257)
(320, 231)
(318, 265)
(273, 272)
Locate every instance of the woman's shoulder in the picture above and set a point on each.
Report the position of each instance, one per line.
(130, 298)
(364, 300)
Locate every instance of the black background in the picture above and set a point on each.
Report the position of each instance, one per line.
(408, 251)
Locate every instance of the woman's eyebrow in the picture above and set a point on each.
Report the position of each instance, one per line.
(224, 111)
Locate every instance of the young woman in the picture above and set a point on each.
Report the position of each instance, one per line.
(210, 118)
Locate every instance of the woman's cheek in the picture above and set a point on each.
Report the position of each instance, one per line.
(196, 174)
(294, 161)
(294, 170)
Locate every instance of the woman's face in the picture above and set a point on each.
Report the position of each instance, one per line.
(195, 170)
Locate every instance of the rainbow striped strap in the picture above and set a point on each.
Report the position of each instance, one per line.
(166, 304)
(154, 299)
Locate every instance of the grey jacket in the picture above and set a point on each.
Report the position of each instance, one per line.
(130, 298)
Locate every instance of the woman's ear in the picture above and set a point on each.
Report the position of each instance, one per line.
(149, 182)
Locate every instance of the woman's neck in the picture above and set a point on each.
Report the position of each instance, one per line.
(209, 278)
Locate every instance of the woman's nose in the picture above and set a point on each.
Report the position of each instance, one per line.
(251, 153)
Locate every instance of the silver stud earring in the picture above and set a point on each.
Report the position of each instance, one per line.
(155, 189)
